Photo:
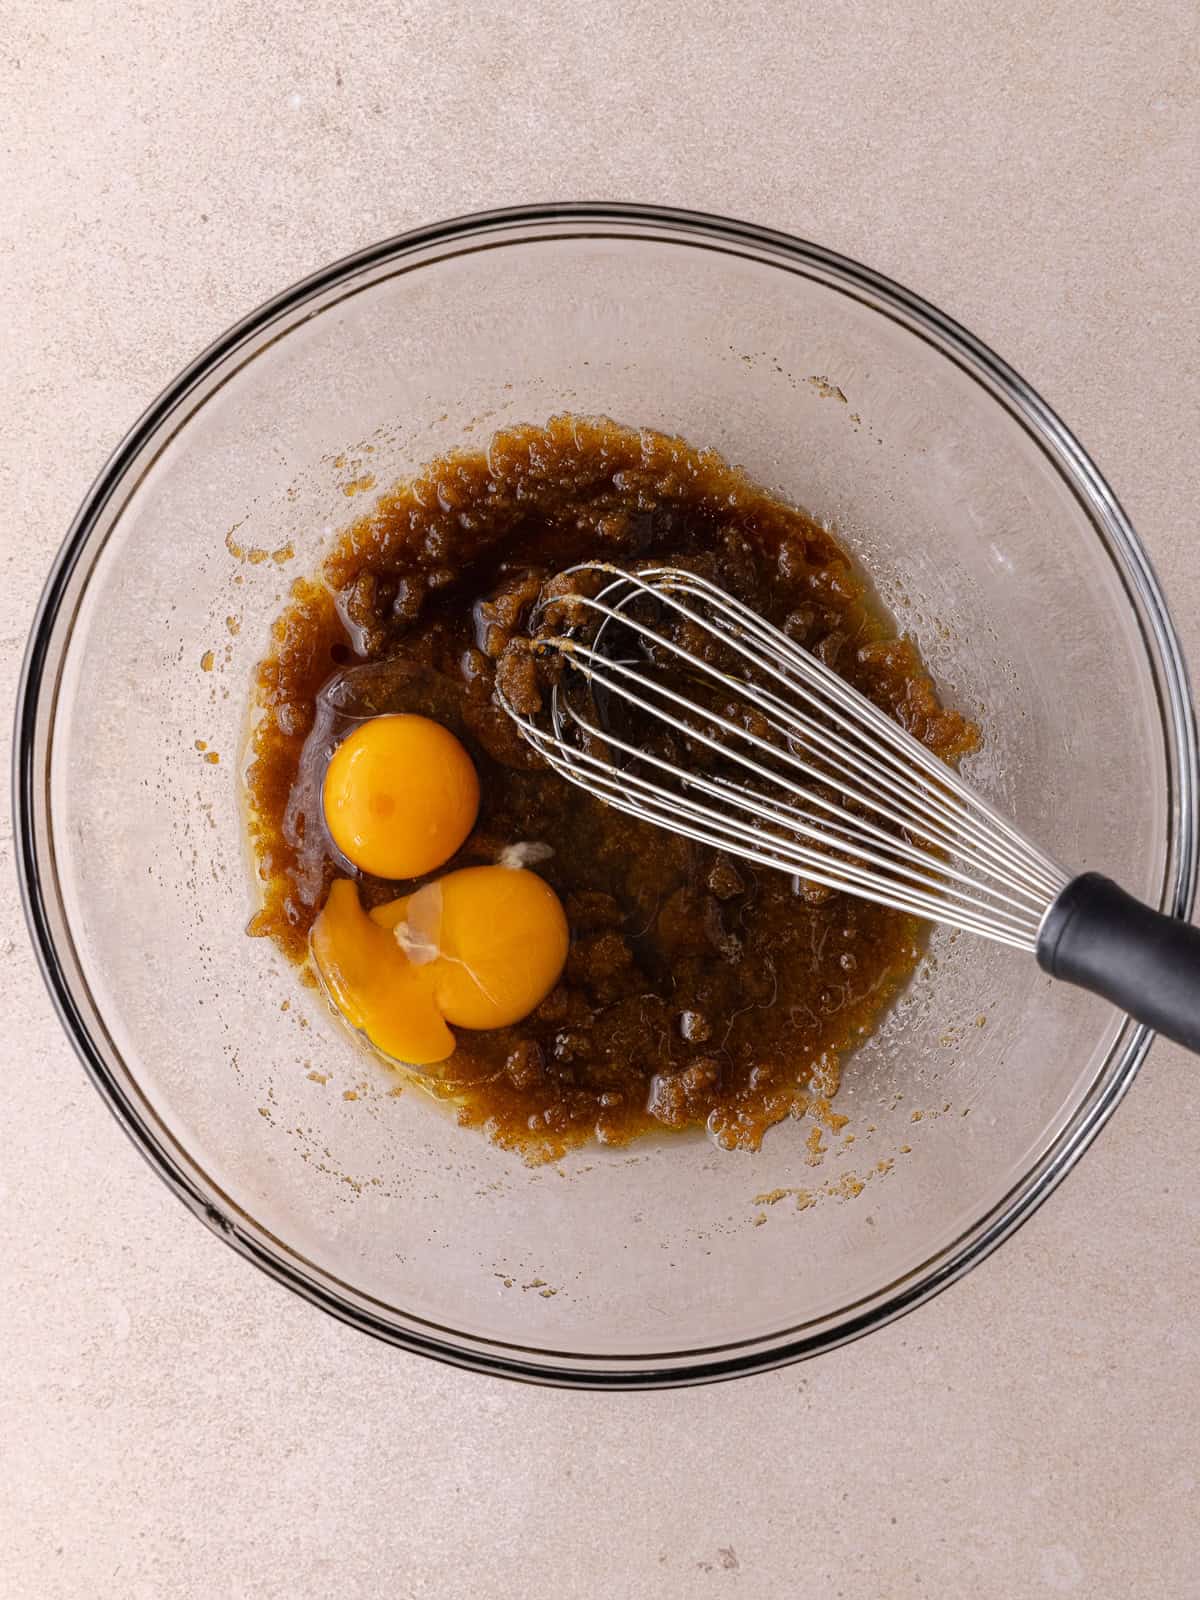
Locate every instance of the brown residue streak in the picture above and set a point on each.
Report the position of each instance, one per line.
(848, 1187)
(359, 485)
(827, 390)
(254, 554)
(804, 1198)
(540, 1284)
(821, 1111)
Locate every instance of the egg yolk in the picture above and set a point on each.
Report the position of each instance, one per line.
(373, 984)
(500, 937)
(479, 948)
(400, 796)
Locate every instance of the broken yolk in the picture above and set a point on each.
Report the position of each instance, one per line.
(374, 985)
(500, 937)
(400, 796)
(479, 948)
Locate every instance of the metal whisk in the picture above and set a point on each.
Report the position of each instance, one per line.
(677, 704)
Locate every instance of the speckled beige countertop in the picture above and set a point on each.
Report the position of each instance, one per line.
(174, 1425)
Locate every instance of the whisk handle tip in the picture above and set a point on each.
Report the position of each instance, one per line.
(1099, 937)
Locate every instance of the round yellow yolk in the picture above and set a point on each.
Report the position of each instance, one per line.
(500, 937)
(400, 796)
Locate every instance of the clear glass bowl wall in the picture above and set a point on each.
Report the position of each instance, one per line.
(989, 537)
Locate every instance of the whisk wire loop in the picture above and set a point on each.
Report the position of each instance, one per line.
(792, 769)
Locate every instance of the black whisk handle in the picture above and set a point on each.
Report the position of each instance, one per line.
(1097, 936)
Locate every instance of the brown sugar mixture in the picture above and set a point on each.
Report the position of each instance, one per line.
(698, 991)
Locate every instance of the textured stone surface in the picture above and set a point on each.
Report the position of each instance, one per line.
(176, 1426)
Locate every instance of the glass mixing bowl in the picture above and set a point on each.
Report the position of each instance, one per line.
(987, 531)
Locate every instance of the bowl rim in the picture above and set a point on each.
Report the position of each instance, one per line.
(34, 717)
